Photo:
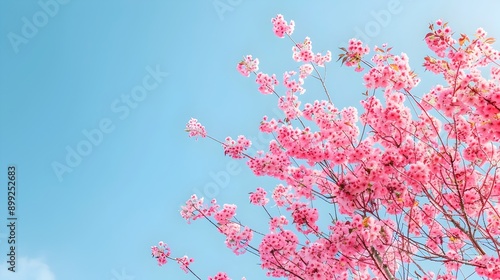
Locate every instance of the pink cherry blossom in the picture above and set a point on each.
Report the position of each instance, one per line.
(195, 128)
(266, 83)
(305, 70)
(226, 214)
(222, 276)
(236, 148)
(268, 126)
(259, 197)
(277, 223)
(161, 253)
(184, 263)
(303, 51)
(292, 85)
(355, 52)
(281, 27)
(236, 239)
(410, 180)
(195, 209)
(248, 65)
(320, 59)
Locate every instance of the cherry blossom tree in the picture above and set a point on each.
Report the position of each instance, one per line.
(410, 183)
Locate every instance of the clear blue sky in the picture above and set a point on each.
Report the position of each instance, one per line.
(69, 71)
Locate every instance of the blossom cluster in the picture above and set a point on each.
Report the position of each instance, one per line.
(222, 276)
(195, 128)
(266, 83)
(303, 52)
(195, 208)
(354, 53)
(161, 252)
(281, 27)
(408, 179)
(248, 65)
(259, 197)
(236, 148)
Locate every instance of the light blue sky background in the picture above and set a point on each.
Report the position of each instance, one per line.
(99, 221)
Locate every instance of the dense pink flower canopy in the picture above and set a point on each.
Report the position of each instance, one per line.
(407, 182)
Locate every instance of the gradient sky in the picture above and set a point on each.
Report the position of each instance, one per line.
(73, 75)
